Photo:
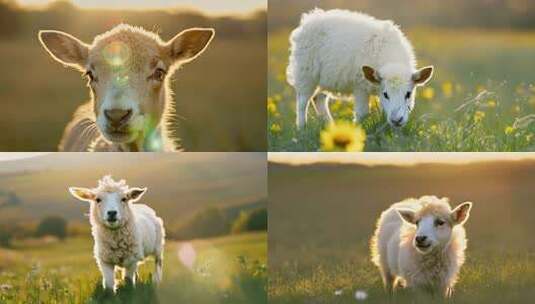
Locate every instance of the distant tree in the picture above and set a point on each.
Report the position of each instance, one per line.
(255, 220)
(209, 222)
(52, 225)
(5, 237)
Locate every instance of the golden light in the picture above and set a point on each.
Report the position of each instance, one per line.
(216, 7)
(395, 158)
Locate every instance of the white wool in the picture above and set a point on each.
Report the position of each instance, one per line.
(141, 236)
(329, 49)
(399, 262)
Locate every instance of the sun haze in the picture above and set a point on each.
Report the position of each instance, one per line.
(207, 6)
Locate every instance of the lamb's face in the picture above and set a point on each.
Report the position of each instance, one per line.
(396, 91)
(109, 208)
(434, 226)
(127, 70)
(127, 77)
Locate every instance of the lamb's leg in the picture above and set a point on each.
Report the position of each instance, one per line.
(388, 280)
(303, 97)
(158, 268)
(321, 101)
(108, 277)
(131, 274)
(361, 107)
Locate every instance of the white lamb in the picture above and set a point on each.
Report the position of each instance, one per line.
(420, 243)
(125, 233)
(344, 53)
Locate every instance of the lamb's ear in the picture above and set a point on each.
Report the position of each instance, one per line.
(407, 215)
(65, 48)
(423, 75)
(371, 74)
(189, 44)
(82, 194)
(134, 194)
(460, 214)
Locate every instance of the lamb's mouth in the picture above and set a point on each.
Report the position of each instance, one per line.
(119, 136)
(423, 247)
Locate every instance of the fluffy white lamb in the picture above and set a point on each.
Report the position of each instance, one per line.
(125, 233)
(342, 53)
(420, 243)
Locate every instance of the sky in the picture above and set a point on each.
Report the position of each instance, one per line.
(213, 7)
(393, 158)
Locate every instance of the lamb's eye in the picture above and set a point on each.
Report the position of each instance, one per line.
(417, 222)
(123, 200)
(386, 95)
(408, 95)
(98, 200)
(439, 222)
(159, 74)
(90, 76)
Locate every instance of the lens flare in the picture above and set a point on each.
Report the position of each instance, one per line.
(116, 53)
(187, 255)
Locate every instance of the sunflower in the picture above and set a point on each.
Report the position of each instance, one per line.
(342, 137)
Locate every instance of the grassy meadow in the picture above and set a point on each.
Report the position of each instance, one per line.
(322, 217)
(481, 97)
(225, 270)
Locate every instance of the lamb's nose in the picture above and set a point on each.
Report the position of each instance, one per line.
(397, 122)
(112, 215)
(117, 117)
(421, 238)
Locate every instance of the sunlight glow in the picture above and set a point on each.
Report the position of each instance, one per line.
(206, 6)
(7, 156)
(393, 158)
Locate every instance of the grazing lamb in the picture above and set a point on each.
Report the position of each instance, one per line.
(125, 233)
(128, 71)
(420, 243)
(343, 52)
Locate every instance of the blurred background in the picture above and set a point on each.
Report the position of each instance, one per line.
(214, 208)
(220, 97)
(323, 209)
(475, 46)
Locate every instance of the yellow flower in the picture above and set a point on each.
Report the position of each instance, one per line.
(271, 106)
(480, 88)
(447, 89)
(478, 116)
(428, 93)
(516, 109)
(342, 137)
(373, 102)
(275, 128)
(509, 130)
(434, 129)
(491, 103)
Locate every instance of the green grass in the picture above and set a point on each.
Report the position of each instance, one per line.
(481, 98)
(323, 216)
(226, 270)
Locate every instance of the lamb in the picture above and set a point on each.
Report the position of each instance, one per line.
(128, 71)
(125, 233)
(420, 244)
(340, 52)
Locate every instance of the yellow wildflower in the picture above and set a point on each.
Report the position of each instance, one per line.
(447, 89)
(491, 103)
(478, 116)
(428, 93)
(271, 106)
(480, 88)
(509, 130)
(342, 137)
(275, 128)
(434, 129)
(373, 103)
